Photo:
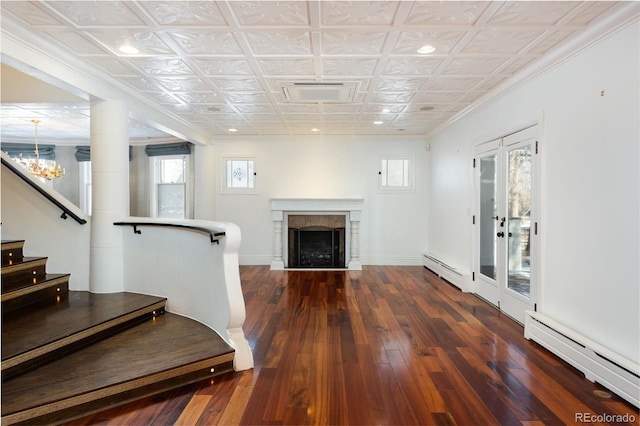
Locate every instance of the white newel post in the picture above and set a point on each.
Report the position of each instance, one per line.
(354, 261)
(277, 264)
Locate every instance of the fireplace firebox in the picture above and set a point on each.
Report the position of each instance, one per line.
(316, 247)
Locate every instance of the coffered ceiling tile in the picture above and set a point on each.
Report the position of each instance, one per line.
(111, 65)
(246, 98)
(183, 84)
(443, 41)
(516, 65)
(199, 97)
(385, 108)
(206, 42)
(342, 108)
(299, 109)
(391, 98)
(223, 66)
(237, 84)
(141, 83)
(97, 13)
(161, 66)
(551, 41)
(254, 108)
(341, 117)
(590, 11)
(347, 42)
(286, 66)
(411, 66)
(451, 83)
(312, 118)
(75, 41)
(184, 13)
(470, 96)
(260, 13)
(446, 12)
(146, 42)
(279, 42)
(30, 12)
(164, 98)
(333, 67)
(264, 118)
(473, 66)
(432, 97)
(507, 42)
(532, 12)
(400, 84)
(358, 12)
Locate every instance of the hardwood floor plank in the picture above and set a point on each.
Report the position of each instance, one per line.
(385, 345)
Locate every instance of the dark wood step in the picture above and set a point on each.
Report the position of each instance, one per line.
(162, 353)
(50, 289)
(18, 273)
(30, 337)
(12, 250)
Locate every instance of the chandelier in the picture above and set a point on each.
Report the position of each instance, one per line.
(39, 167)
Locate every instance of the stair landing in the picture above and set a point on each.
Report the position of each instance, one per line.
(116, 370)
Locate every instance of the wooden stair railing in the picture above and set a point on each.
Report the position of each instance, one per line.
(66, 354)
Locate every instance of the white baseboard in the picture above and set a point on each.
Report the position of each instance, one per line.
(597, 363)
(456, 276)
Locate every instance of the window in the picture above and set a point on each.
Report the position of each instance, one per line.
(239, 175)
(396, 174)
(169, 183)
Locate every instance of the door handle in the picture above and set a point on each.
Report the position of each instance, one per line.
(500, 234)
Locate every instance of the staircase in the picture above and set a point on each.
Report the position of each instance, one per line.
(67, 354)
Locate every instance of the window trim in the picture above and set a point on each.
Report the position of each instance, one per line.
(154, 171)
(411, 174)
(224, 189)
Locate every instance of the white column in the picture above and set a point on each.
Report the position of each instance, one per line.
(354, 261)
(110, 194)
(205, 176)
(277, 216)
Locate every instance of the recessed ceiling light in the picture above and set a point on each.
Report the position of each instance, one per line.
(128, 49)
(377, 122)
(213, 109)
(315, 130)
(426, 108)
(232, 130)
(426, 49)
(386, 110)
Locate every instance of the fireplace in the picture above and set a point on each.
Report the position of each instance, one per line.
(316, 233)
(316, 241)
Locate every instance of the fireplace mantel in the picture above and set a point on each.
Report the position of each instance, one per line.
(351, 207)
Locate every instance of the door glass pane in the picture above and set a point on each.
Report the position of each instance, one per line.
(488, 214)
(519, 215)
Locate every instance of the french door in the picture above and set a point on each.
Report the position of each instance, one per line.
(506, 243)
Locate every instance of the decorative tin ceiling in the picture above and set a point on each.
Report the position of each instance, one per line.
(224, 65)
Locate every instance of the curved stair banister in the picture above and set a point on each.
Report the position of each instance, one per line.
(67, 211)
(201, 280)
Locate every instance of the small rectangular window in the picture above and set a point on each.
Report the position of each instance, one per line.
(396, 174)
(239, 175)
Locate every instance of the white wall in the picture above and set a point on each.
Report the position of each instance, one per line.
(393, 226)
(590, 150)
(27, 215)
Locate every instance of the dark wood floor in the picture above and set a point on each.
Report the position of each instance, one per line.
(387, 345)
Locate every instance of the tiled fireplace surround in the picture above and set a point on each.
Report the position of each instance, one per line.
(281, 208)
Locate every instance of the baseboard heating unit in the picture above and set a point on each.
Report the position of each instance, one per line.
(445, 271)
(598, 364)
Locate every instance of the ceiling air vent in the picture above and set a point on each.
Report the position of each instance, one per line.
(319, 92)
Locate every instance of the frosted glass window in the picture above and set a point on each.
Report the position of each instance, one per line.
(396, 174)
(239, 175)
(169, 197)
